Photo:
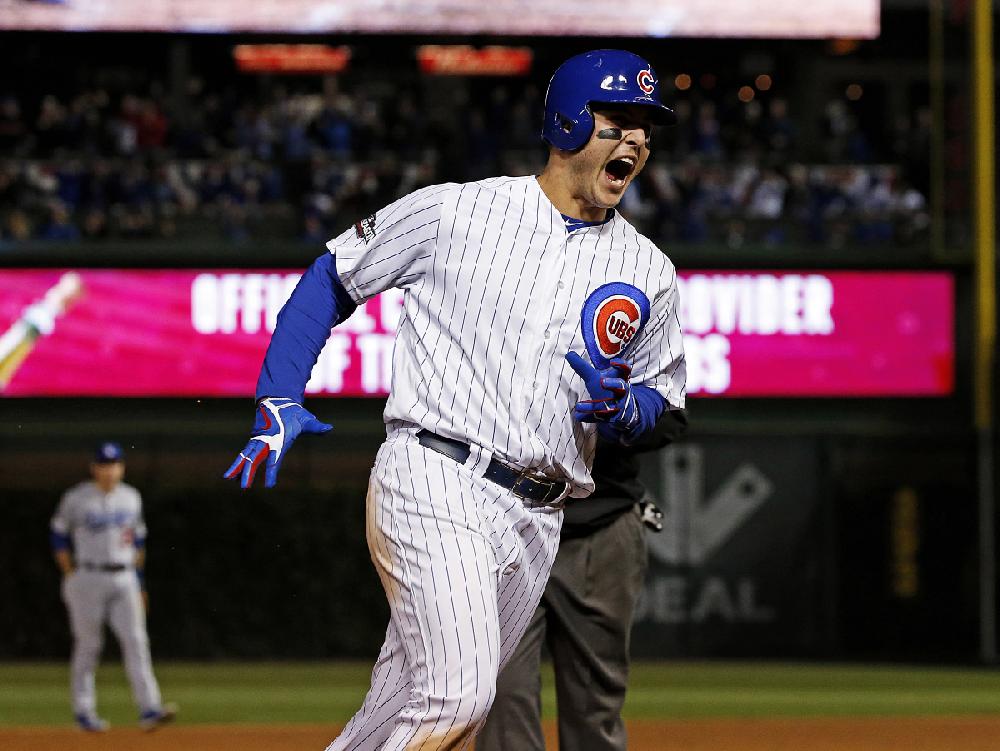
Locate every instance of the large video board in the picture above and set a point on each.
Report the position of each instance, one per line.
(204, 333)
(638, 18)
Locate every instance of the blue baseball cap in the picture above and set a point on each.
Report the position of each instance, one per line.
(109, 452)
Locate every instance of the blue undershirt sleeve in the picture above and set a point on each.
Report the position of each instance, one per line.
(317, 304)
(58, 541)
(651, 405)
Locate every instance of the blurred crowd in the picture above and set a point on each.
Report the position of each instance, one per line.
(286, 164)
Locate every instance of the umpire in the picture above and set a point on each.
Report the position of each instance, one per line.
(585, 616)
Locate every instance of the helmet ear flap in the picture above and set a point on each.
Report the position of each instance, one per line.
(569, 134)
(584, 127)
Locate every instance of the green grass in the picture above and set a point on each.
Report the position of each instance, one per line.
(37, 693)
(796, 690)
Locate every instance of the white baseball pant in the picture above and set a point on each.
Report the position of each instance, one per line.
(463, 563)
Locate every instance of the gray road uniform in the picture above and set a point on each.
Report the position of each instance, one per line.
(105, 530)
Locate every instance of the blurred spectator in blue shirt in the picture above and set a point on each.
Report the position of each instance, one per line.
(59, 228)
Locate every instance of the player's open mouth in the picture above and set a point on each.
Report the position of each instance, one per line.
(617, 171)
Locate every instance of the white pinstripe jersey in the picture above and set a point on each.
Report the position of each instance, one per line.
(103, 526)
(494, 287)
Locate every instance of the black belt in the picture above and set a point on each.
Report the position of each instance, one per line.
(109, 568)
(540, 492)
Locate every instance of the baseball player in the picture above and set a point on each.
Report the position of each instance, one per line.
(98, 539)
(534, 317)
(585, 616)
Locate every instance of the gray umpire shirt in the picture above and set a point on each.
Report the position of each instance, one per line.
(102, 526)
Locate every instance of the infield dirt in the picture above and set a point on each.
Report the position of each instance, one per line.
(967, 733)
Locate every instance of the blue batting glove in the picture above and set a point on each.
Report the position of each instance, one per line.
(279, 422)
(611, 398)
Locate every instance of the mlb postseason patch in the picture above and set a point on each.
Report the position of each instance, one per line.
(612, 316)
(365, 228)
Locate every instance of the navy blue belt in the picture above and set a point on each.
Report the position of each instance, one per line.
(109, 568)
(538, 491)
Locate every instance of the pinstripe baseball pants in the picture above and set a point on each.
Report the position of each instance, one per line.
(463, 563)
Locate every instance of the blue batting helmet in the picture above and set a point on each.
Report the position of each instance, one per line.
(601, 76)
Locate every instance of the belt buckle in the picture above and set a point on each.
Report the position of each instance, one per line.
(522, 475)
(558, 500)
(546, 501)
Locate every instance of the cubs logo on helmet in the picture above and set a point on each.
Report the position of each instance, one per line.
(646, 81)
(612, 317)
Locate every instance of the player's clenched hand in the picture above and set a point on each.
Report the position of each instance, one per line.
(611, 398)
(279, 422)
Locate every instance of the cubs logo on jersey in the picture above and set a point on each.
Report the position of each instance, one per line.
(613, 316)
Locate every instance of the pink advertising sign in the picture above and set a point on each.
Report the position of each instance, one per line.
(204, 333)
(841, 333)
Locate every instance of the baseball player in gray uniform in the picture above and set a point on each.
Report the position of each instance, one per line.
(534, 318)
(98, 539)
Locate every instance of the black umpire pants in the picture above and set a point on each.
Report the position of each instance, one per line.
(585, 617)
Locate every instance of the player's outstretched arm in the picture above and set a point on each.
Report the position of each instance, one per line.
(317, 304)
(279, 422)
